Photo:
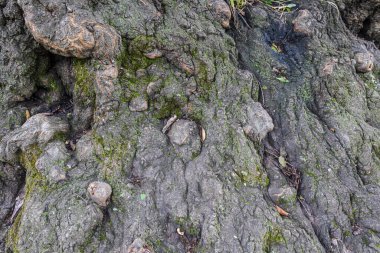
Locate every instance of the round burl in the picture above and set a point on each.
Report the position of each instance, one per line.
(221, 12)
(364, 62)
(100, 192)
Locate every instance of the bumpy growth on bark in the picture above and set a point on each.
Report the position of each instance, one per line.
(185, 126)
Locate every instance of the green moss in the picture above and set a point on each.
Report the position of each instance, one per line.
(102, 235)
(261, 178)
(352, 215)
(203, 76)
(311, 174)
(372, 232)
(35, 181)
(267, 181)
(194, 155)
(15, 119)
(287, 200)
(53, 85)
(60, 136)
(28, 160)
(346, 233)
(187, 226)
(272, 237)
(262, 66)
(376, 150)
(245, 176)
(334, 224)
(115, 150)
(87, 244)
(204, 85)
(132, 56)
(130, 60)
(370, 80)
(252, 177)
(246, 91)
(305, 93)
(157, 245)
(195, 113)
(204, 89)
(168, 108)
(42, 67)
(84, 83)
(12, 236)
(366, 241)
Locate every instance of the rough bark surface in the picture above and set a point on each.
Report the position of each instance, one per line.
(165, 126)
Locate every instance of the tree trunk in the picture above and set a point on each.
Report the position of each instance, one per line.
(189, 126)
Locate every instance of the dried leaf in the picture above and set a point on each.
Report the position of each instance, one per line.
(153, 54)
(180, 232)
(282, 161)
(276, 48)
(27, 114)
(282, 212)
(169, 124)
(203, 134)
(18, 205)
(282, 79)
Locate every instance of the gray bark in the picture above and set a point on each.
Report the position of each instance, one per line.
(215, 131)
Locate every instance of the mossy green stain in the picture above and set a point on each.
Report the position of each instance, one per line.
(196, 113)
(187, 226)
(84, 82)
(272, 237)
(288, 200)
(305, 93)
(130, 60)
(157, 245)
(347, 233)
(34, 181)
(204, 85)
(168, 108)
(132, 54)
(42, 67)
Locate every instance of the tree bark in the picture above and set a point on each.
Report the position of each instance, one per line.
(189, 126)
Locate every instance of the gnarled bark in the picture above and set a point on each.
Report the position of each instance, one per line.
(260, 137)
